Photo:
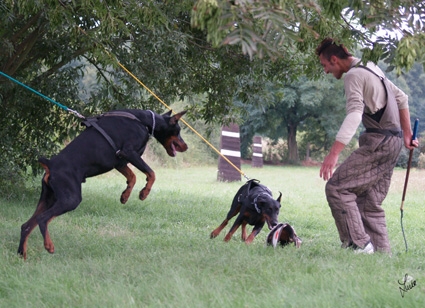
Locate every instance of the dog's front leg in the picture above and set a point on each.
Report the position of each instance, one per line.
(255, 231)
(131, 180)
(244, 231)
(150, 179)
(134, 158)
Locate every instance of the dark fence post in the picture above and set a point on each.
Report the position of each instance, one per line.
(230, 147)
(257, 152)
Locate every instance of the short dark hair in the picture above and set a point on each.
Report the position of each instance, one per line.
(329, 47)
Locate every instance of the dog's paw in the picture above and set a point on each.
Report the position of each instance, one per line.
(50, 247)
(250, 239)
(123, 198)
(144, 193)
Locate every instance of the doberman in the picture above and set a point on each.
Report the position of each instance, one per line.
(111, 140)
(256, 206)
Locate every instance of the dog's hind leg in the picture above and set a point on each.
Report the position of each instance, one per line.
(67, 193)
(46, 199)
(131, 181)
(217, 231)
(234, 210)
(232, 231)
(239, 221)
(45, 218)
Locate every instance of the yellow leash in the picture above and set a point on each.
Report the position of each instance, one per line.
(169, 108)
(182, 120)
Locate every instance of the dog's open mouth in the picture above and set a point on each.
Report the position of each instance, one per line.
(176, 146)
(173, 151)
(270, 225)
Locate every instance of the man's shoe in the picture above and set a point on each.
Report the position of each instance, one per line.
(368, 249)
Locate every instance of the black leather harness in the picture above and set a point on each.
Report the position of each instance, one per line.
(92, 122)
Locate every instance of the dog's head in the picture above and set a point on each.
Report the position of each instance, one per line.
(268, 208)
(169, 134)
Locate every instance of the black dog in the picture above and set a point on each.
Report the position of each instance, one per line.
(110, 141)
(256, 206)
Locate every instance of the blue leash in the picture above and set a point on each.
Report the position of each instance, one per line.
(43, 96)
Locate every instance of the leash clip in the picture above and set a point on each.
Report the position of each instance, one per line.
(76, 113)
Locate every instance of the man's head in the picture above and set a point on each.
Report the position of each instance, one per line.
(334, 57)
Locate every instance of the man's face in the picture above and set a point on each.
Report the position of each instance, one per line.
(332, 66)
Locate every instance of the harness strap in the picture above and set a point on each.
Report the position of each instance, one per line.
(120, 114)
(93, 122)
(131, 116)
(245, 196)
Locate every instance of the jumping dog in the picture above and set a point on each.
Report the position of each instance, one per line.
(111, 140)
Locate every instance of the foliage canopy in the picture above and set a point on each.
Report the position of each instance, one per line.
(212, 53)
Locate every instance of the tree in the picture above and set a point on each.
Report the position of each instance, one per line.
(310, 107)
(48, 45)
(266, 28)
(173, 48)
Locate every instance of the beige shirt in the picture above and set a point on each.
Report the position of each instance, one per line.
(365, 93)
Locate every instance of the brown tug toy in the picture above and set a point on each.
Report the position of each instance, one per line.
(283, 234)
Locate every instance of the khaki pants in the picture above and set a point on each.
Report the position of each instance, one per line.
(359, 186)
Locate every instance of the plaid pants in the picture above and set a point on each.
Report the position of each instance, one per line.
(359, 186)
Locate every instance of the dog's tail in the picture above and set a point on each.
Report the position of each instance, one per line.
(45, 164)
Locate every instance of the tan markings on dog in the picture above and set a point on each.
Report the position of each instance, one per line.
(131, 181)
(150, 179)
(48, 244)
(244, 234)
(250, 238)
(47, 173)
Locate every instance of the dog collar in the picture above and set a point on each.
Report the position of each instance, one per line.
(153, 123)
(255, 201)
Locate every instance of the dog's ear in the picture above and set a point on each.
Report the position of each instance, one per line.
(280, 197)
(176, 117)
(168, 113)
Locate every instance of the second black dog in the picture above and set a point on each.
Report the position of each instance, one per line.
(255, 205)
(110, 141)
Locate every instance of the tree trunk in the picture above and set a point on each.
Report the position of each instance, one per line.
(307, 152)
(293, 157)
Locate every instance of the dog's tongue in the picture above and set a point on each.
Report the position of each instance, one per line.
(173, 148)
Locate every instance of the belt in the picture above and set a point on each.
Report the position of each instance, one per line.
(386, 132)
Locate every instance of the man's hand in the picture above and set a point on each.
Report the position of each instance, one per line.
(328, 165)
(411, 144)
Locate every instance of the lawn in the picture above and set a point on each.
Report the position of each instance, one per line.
(157, 252)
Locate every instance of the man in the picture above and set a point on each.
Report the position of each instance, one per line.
(357, 188)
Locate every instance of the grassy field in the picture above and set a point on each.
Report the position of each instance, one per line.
(157, 253)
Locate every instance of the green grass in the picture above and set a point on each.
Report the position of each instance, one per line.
(157, 253)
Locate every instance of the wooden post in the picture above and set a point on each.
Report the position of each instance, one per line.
(257, 153)
(230, 147)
